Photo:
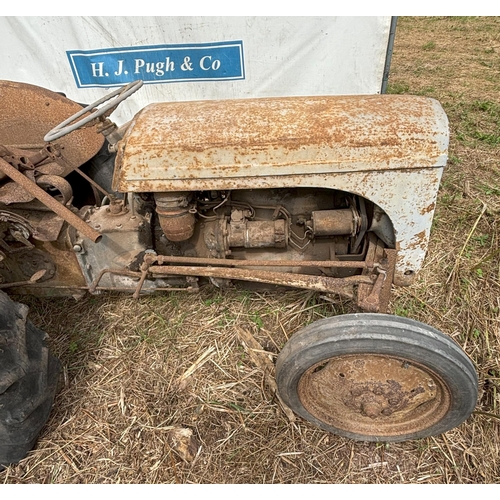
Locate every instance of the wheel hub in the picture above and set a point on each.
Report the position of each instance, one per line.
(375, 395)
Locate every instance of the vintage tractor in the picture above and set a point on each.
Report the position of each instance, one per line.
(334, 194)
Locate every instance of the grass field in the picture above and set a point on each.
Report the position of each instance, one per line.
(133, 370)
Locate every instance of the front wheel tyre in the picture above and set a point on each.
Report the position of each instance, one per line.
(377, 377)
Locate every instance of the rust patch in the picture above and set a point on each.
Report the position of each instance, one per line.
(279, 136)
(28, 112)
(383, 396)
(48, 201)
(164, 259)
(430, 208)
(418, 241)
(304, 281)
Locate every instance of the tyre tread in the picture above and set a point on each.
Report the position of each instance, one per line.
(29, 387)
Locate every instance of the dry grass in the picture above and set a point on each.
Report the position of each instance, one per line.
(135, 369)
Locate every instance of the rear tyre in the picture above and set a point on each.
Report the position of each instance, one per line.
(28, 381)
(376, 377)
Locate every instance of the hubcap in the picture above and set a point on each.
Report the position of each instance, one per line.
(374, 395)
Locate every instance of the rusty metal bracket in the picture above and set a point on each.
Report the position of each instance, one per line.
(390, 267)
(48, 201)
(377, 300)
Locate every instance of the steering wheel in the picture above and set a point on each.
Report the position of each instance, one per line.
(118, 96)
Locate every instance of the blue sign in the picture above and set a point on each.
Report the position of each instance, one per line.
(158, 64)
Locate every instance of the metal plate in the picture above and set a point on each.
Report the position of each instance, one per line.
(168, 145)
(376, 395)
(28, 112)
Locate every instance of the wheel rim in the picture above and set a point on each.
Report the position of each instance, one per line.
(374, 395)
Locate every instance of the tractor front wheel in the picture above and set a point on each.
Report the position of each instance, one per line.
(376, 377)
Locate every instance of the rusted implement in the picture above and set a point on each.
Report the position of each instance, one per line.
(48, 201)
